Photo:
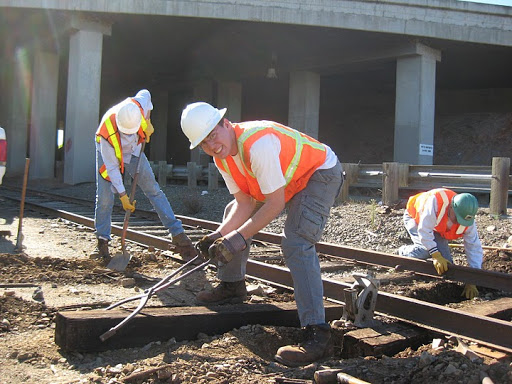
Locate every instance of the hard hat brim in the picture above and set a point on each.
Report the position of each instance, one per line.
(463, 221)
(213, 124)
(127, 131)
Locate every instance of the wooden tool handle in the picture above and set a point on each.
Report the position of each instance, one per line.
(484, 247)
(23, 193)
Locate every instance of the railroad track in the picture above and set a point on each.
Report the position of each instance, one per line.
(145, 229)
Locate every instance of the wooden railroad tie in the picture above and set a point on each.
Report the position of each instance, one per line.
(384, 339)
(80, 330)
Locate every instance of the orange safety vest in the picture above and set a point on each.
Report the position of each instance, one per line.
(108, 130)
(444, 196)
(300, 156)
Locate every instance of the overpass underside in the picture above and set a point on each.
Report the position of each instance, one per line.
(375, 80)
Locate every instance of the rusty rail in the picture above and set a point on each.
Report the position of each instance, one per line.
(487, 330)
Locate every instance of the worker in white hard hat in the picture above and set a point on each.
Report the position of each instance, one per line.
(119, 139)
(267, 166)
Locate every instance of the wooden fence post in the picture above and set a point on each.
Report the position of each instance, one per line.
(351, 175)
(403, 175)
(162, 173)
(389, 183)
(499, 185)
(213, 177)
(191, 174)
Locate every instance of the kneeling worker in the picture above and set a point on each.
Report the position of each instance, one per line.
(436, 216)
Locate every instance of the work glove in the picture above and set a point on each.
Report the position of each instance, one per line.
(148, 131)
(225, 248)
(440, 263)
(126, 203)
(206, 242)
(182, 244)
(470, 291)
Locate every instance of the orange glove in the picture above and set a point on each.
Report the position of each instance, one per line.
(126, 203)
(440, 263)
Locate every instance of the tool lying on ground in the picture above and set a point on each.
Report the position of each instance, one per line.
(360, 300)
(121, 259)
(162, 284)
(505, 249)
(19, 239)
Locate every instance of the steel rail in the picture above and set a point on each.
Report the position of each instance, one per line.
(481, 277)
(494, 332)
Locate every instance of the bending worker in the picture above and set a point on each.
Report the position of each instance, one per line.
(436, 216)
(266, 165)
(119, 139)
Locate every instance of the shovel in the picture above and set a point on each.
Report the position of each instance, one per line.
(19, 239)
(121, 259)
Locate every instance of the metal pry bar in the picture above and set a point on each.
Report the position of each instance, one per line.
(162, 284)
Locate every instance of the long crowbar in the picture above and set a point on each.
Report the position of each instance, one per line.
(121, 259)
(162, 284)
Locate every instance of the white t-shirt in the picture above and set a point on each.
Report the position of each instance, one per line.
(265, 164)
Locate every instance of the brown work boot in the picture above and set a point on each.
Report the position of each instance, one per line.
(182, 244)
(101, 252)
(317, 345)
(224, 293)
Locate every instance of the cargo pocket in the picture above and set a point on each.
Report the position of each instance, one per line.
(312, 220)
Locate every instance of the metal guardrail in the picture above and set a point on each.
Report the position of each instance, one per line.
(391, 177)
(423, 177)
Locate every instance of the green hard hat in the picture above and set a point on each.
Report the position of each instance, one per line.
(465, 206)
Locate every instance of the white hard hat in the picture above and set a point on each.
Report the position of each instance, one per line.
(128, 118)
(198, 120)
(144, 99)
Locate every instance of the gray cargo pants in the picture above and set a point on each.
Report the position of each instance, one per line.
(308, 212)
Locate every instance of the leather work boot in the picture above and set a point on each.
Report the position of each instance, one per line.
(224, 293)
(317, 345)
(182, 244)
(101, 251)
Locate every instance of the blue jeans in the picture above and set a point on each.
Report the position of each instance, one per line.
(146, 181)
(308, 212)
(417, 250)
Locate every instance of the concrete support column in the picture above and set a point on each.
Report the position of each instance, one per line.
(159, 118)
(304, 102)
(415, 107)
(229, 95)
(83, 98)
(17, 108)
(43, 120)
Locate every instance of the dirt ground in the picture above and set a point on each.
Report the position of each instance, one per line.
(54, 272)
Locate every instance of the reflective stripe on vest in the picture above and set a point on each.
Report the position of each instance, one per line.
(103, 172)
(416, 204)
(300, 157)
(108, 130)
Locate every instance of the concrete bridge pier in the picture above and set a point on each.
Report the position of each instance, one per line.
(415, 106)
(83, 99)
